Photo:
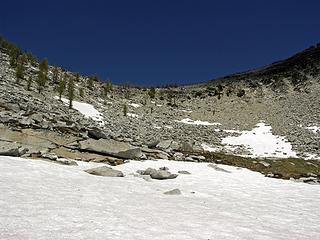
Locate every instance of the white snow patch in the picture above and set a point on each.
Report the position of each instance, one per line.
(132, 115)
(197, 122)
(208, 148)
(185, 110)
(42, 200)
(159, 105)
(86, 109)
(314, 129)
(262, 143)
(135, 105)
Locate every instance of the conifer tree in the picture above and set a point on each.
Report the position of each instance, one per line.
(43, 66)
(62, 85)
(125, 110)
(90, 82)
(41, 81)
(20, 68)
(107, 88)
(70, 91)
(152, 92)
(81, 92)
(55, 74)
(42, 75)
(29, 82)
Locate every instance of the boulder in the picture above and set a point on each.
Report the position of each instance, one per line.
(175, 191)
(148, 171)
(11, 149)
(163, 145)
(183, 172)
(215, 167)
(65, 161)
(105, 172)
(111, 147)
(97, 133)
(163, 175)
(186, 147)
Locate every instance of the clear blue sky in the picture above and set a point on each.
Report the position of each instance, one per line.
(161, 41)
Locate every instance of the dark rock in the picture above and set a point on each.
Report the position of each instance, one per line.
(105, 172)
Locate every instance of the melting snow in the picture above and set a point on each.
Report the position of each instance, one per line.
(314, 129)
(197, 122)
(135, 105)
(262, 143)
(42, 200)
(86, 109)
(132, 115)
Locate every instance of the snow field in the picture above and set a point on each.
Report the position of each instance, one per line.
(42, 200)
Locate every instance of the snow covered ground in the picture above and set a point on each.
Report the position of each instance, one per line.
(197, 122)
(86, 109)
(262, 143)
(135, 105)
(43, 200)
(314, 129)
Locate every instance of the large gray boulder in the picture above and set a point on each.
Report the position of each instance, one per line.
(163, 175)
(175, 191)
(105, 172)
(11, 149)
(111, 147)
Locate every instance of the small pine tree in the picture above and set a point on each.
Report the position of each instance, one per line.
(41, 81)
(43, 66)
(70, 91)
(152, 92)
(81, 92)
(77, 77)
(20, 68)
(90, 82)
(107, 88)
(55, 74)
(62, 86)
(29, 82)
(125, 110)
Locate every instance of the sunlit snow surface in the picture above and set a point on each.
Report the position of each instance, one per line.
(135, 105)
(42, 200)
(262, 143)
(86, 109)
(314, 129)
(197, 122)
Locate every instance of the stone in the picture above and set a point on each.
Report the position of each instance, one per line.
(111, 147)
(215, 167)
(105, 172)
(148, 171)
(97, 133)
(163, 145)
(190, 159)
(186, 147)
(183, 172)
(11, 149)
(178, 156)
(162, 175)
(175, 191)
(65, 161)
(50, 155)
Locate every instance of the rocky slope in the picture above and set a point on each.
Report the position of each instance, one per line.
(285, 95)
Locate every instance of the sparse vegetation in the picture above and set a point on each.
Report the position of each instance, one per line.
(125, 109)
(62, 85)
(29, 83)
(241, 93)
(71, 94)
(278, 168)
(152, 93)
